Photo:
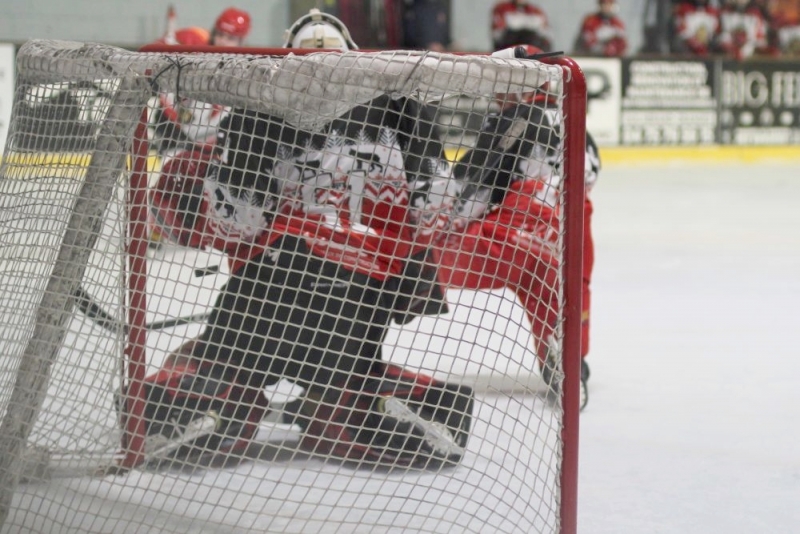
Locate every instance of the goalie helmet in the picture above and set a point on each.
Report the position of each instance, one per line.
(319, 30)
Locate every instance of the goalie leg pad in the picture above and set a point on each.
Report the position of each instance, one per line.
(392, 418)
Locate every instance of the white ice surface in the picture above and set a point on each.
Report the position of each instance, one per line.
(693, 423)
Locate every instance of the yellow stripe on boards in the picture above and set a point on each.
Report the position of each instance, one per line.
(697, 154)
(61, 159)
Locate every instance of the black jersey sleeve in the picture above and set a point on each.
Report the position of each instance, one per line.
(506, 139)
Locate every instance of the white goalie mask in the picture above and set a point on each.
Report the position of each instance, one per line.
(319, 30)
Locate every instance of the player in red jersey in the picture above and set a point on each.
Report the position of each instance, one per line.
(516, 17)
(743, 29)
(602, 33)
(230, 29)
(511, 219)
(695, 25)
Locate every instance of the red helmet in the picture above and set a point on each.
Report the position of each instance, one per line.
(233, 22)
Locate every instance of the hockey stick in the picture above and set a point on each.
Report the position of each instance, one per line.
(519, 52)
(94, 312)
(477, 191)
(177, 321)
(97, 314)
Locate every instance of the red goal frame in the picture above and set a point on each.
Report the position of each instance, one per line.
(575, 108)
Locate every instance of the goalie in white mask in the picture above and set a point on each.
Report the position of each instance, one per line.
(319, 30)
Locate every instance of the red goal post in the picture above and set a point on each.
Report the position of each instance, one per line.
(122, 144)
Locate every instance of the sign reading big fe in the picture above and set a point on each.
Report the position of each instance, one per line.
(760, 103)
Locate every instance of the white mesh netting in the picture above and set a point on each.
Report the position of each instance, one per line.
(300, 293)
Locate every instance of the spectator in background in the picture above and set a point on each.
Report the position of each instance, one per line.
(602, 33)
(513, 38)
(230, 29)
(695, 24)
(743, 29)
(784, 17)
(516, 17)
(772, 20)
(788, 35)
(426, 25)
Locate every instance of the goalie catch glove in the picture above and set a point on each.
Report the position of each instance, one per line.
(392, 418)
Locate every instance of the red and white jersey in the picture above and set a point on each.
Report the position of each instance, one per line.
(695, 27)
(603, 36)
(350, 201)
(516, 16)
(367, 192)
(742, 32)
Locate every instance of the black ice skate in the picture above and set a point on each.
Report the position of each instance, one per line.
(552, 376)
(584, 379)
(418, 430)
(393, 418)
(189, 412)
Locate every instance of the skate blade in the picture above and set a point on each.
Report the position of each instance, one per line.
(158, 448)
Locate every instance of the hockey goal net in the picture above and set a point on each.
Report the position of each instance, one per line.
(93, 297)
